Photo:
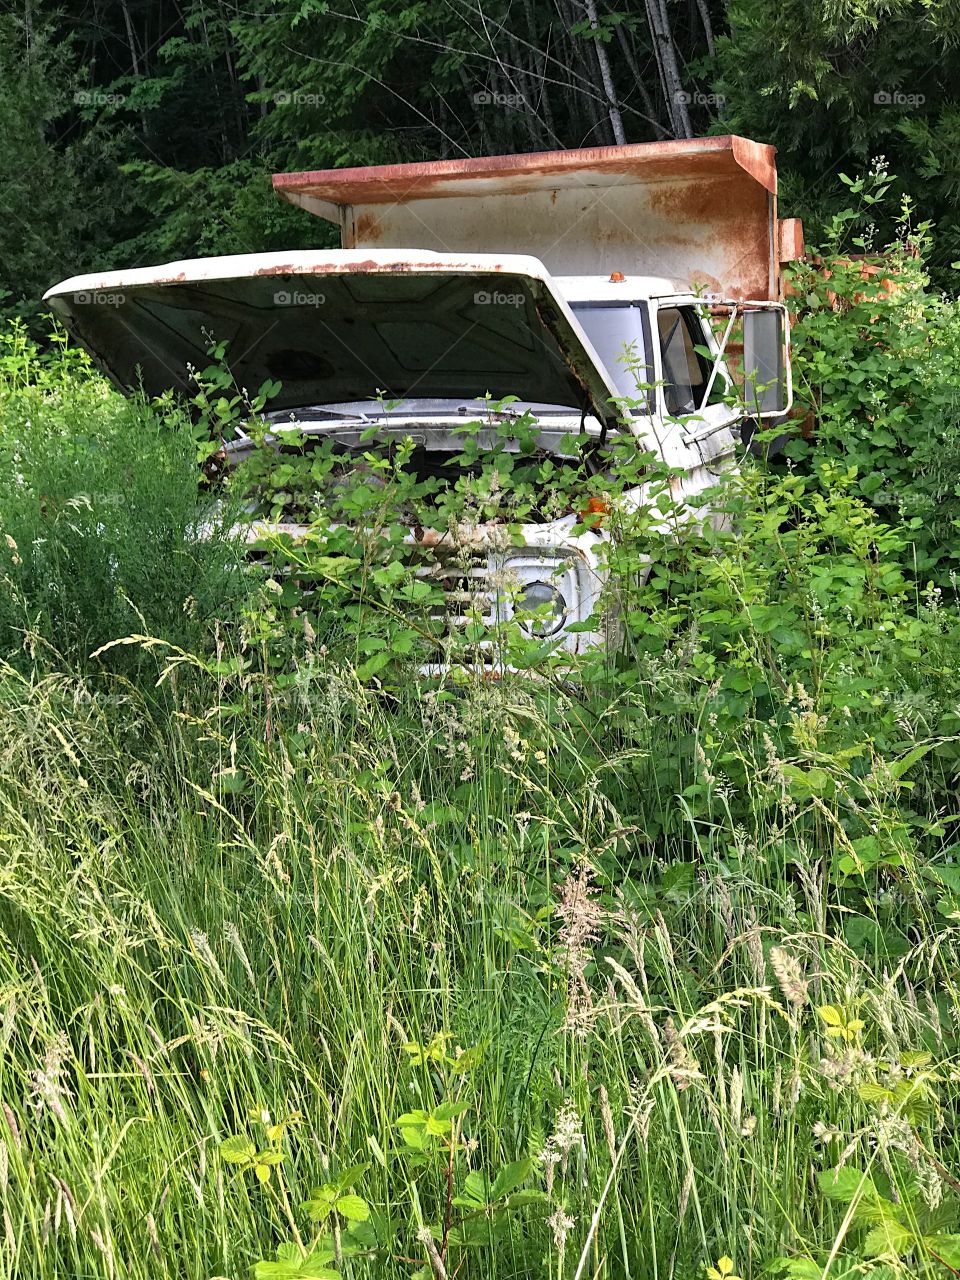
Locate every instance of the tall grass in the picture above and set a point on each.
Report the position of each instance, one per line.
(214, 911)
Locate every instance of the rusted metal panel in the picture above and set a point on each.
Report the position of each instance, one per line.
(700, 212)
(302, 262)
(792, 245)
(649, 162)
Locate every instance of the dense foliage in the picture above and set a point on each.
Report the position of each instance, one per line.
(637, 964)
(140, 130)
(102, 530)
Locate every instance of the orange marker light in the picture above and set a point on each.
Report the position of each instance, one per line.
(617, 277)
(594, 512)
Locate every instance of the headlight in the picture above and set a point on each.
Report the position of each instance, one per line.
(533, 599)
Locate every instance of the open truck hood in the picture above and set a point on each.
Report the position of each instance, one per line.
(342, 325)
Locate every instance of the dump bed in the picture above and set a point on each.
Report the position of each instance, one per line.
(701, 212)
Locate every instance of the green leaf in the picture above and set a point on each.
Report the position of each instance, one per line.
(831, 1015)
(353, 1207)
(321, 1202)
(363, 1233)
(888, 1238)
(270, 389)
(237, 1150)
(900, 767)
(916, 1059)
(350, 1175)
(367, 670)
(510, 1177)
(804, 783)
(447, 1111)
(469, 1059)
(521, 1198)
(946, 1247)
(799, 1268)
(416, 1138)
(411, 1119)
(474, 1192)
(232, 781)
(846, 1184)
(291, 1265)
(874, 1093)
(306, 1269)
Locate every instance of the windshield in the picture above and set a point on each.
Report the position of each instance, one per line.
(619, 333)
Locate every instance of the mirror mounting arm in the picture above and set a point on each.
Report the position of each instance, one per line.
(719, 359)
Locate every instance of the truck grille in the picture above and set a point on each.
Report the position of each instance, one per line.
(463, 578)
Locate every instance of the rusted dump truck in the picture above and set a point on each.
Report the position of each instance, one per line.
(589, 284)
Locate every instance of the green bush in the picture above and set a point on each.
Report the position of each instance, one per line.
(877, 364)
(104, 528)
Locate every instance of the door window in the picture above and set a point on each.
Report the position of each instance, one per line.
(685, 371)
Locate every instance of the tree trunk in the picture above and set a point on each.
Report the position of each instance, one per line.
(650, 111)
(664, 89)
(606, 76)
(588, 115)
(676, 99)
(707, 26)
(131, 41)
(543, 91)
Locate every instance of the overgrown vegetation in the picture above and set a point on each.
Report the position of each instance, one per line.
(639, 963)
(104, 532)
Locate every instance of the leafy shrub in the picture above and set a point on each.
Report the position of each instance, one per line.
(105, 529)
(877, 363)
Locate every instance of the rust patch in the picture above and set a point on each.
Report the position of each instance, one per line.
(649, 162)
(284, 269)
(738, 222)
(399, 266)
(367, 227)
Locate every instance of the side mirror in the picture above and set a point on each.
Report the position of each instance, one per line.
(768, 386)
